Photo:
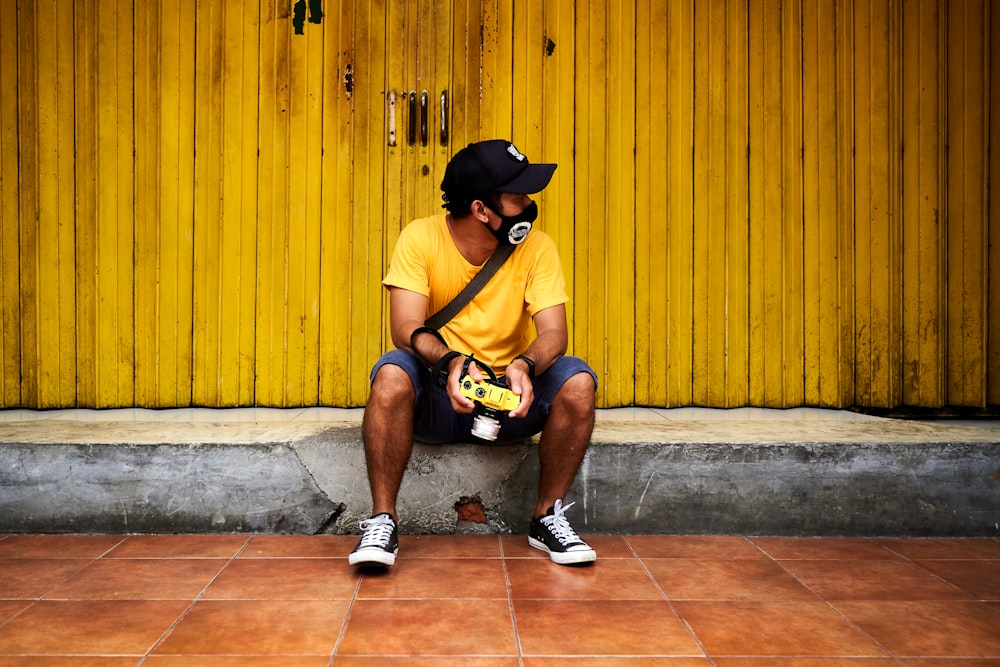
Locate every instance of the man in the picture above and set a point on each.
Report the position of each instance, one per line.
(486, 187)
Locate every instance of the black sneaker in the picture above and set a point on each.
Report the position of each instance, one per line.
(379, 543)
(553, 534)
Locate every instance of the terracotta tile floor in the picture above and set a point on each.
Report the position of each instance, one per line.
(280, 600)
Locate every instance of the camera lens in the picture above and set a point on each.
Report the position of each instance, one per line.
(485, 428)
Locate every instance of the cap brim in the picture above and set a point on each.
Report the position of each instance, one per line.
(533, 179)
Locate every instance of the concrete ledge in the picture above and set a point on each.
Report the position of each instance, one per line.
(796, 472)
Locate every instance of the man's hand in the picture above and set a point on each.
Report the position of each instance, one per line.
(520, 383)
(459, 402)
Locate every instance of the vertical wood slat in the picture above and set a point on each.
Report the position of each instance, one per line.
(274, 178)
(619, 220)
(556, 143)
(652, 199)
(175, 291)
(877, 205)
(590, 286)
(924, 239)
(147, 220)
(993, 222)
(720, 208)
(10, 269)
(211, 372)
(225, 227)
(681, 56)
(367, 224)
(47, 213)
(104, 204)
(823, 134)
(338, 359)
(163, 210)
(966, 203)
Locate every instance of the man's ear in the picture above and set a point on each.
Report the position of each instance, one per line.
(480, 211)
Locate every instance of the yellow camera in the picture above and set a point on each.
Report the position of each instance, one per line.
(491, 399)
(490, 395)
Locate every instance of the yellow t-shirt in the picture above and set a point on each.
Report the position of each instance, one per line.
(496, 325)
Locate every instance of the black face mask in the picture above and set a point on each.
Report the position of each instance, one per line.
(514, 228)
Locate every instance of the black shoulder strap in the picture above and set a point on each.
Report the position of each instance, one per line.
(443, 316)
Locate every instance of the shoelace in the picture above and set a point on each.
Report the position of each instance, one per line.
(559, 524)
(377, 531)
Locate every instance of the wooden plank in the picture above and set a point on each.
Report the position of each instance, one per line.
(776, 227)
(10, 203)
(619, 219)
(792, 369)
(652, 200)
(557, 216)
(720, 364)
(28, 196)
(114, 278)
(464, 79)
(527, 88)
(992, 26)
(823, 141)
(176, 282)
(590, 287)
(147, 203)
(55, 353)
(966, 197)
(212, 376)
(924, 241)
(305, 385)
(366, 221)
(90, 59)
(238, 170)
(273, 199)
(767, 196)
(338, 361)
(877, 205)
(680, 92)
(735, 321)
(845, 159)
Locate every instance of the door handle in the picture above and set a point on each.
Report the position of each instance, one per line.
(444, 117)
(423, 118)
(392, 117)
(411, 130)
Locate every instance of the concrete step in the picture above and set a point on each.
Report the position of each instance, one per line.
(684, 471)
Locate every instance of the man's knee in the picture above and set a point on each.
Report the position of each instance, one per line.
(578, 391)
(392, 383)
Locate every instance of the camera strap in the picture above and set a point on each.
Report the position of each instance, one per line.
(462, 299)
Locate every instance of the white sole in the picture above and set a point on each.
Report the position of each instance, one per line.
(372, 557)
(564, 557)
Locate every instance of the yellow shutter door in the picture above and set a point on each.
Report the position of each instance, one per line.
(771, 203)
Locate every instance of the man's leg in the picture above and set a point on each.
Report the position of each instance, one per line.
(563, 445)
(387, 431)
(564, 439)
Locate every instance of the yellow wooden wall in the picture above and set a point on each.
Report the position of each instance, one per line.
(759, 202)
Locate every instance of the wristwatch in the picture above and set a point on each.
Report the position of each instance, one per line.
(531, 365)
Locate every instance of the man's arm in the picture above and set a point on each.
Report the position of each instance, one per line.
(406, 314)
(550, 343)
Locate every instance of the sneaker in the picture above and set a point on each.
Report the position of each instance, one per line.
(379, 543)
(553, 534)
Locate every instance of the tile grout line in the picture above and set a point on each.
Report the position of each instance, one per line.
(34, 601)
(510, 603)
(347, 620)
(173, 626)
(889, 654)
(666, 598)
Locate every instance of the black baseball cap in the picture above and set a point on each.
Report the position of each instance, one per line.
(489, 166)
